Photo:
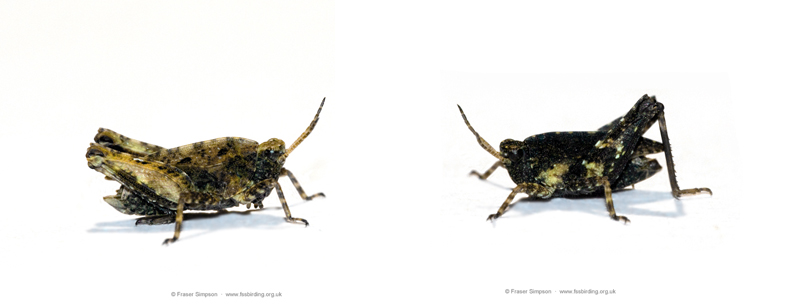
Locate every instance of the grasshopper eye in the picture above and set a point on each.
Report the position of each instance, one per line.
(512, 150)
(513, 155)
(273, 154)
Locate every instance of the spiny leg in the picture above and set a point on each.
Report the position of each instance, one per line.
(610, 203)
(296, 184)
(677, 192)
(488, 172)
(178, 222)
(286, 207)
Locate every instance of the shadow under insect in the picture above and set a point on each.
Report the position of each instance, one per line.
(205, 222)
(629, 200)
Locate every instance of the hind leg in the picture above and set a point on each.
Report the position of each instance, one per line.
(677, 192)
(119, 142)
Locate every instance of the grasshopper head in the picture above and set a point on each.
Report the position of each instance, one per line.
(272, 150)
(273, 153)
(270, 159)
(512, 150)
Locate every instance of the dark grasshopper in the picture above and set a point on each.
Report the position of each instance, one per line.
(562, 164)
(209, 175)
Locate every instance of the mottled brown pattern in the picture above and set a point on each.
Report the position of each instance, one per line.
(208, 175)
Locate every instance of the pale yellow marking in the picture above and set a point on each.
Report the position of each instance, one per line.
(552, 177)
(601, 144)
(594, 170)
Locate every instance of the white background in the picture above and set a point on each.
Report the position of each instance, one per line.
(402, 221)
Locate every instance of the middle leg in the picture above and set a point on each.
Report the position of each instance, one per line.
(610, 203)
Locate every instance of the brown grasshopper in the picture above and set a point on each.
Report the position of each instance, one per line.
(216, 174)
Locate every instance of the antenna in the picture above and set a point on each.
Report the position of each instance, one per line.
(307, 131)
(485, 145)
